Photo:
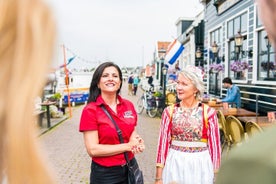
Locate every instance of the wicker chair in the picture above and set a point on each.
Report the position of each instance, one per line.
(171, 98)
(252, 128)
(236, 130)
(224, 130)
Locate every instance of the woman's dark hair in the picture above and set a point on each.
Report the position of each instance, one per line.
(227, 80)
(94, 91)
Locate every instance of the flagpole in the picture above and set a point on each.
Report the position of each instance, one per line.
(67, 82)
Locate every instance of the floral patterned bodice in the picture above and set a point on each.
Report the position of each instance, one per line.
(187, 124)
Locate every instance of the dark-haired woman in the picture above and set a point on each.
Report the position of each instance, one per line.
(100, 136)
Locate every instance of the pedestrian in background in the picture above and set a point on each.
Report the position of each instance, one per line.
(100, 136)
(148, 75)
(130, 84)
(135, 84)
(27, 32)
(233, 95)
(254, 161)
(189, 148)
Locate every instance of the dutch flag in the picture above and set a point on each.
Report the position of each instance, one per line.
(173, 51)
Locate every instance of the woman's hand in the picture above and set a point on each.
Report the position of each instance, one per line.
(141, 146)
(137, 143)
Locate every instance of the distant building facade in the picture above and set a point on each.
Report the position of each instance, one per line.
(159, 59)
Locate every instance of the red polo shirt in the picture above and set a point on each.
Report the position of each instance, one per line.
(94, 118)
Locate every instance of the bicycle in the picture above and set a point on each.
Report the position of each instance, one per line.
(153, 105)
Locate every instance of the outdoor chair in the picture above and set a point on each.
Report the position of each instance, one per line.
(171, 98)
(236, 130)
(225, 139)
(252, 128)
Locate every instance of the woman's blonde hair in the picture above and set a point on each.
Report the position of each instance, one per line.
(27, 32)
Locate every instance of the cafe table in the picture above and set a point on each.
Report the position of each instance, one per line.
(214, 104)
(47, 105)
(262, 121)
(238, 112)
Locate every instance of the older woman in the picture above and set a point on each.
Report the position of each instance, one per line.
(189, 146)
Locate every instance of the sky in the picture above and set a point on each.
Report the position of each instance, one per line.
(122, 31)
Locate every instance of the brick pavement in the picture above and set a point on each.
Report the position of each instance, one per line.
(65, 151)
(64, 148)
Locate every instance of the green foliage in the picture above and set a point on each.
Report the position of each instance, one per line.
(157, 94)
(56, 96)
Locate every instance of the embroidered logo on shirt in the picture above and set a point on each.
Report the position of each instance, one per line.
(128, 114)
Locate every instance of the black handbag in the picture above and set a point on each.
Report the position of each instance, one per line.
(135, 175)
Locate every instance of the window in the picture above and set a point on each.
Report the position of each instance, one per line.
(238, 62)
(266, 66)
(215, 36)
(258, 21)
(215, 77)
(239, 23)
(244, 23)
(230, 29)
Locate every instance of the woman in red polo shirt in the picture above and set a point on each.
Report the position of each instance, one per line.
(100, 136)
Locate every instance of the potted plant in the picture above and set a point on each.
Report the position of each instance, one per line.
(265, 65)
(157, 94)
(55, 97)
(216, 68)
(237, 67)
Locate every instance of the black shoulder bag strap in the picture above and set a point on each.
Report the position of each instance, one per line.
(117, 129)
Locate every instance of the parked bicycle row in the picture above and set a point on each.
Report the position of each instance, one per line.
(154, 101)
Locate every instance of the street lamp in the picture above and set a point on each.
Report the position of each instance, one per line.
(161, 68)
(198, 54)
(164, 72)
(238, 43)
(238, 39)
(268, 45)
(215, 52)
(215, 47)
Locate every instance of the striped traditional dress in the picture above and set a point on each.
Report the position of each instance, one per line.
(189, 146)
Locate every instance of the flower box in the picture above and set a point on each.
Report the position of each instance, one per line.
(238, 66)
(271, 65)
(216, 68)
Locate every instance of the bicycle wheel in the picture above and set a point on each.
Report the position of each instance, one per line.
(140, 105)
(152, 112)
